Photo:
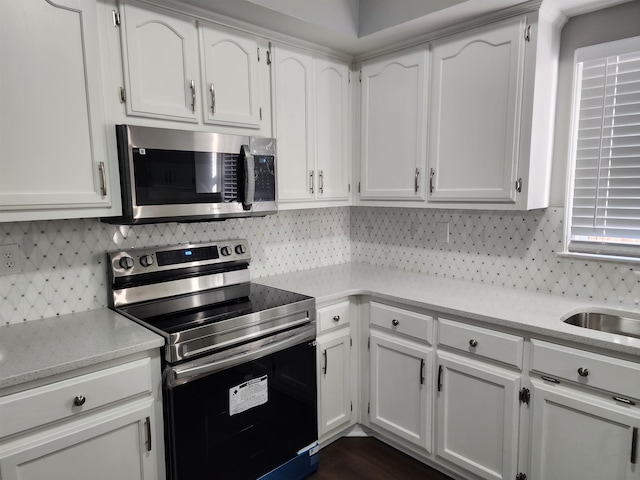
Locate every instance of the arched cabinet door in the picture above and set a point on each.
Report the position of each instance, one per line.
(230, 77)
(475, 114)
(393, 127)
(53, 152)
(160, 63)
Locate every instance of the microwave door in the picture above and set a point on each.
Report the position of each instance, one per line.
(249, 178)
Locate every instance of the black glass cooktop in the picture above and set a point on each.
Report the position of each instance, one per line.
(185, 312)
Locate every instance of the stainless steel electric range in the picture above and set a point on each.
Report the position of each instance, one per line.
(239, 374)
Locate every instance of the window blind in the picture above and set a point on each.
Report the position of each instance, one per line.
(605, 203)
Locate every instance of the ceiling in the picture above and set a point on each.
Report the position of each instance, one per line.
(359, 26)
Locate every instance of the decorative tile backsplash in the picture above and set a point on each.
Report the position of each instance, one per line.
(64, 267)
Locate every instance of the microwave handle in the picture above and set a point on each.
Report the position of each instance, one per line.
(249, 178)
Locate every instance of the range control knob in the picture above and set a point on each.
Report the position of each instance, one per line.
(146, 260)
(225, 251)
(126, 263)
(241, 249)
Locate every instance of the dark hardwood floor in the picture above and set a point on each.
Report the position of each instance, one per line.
(365, 458)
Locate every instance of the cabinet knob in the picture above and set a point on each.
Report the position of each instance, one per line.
(473, 343)
(394, 322)
(583, 372)
(79, 401)
(336, 318)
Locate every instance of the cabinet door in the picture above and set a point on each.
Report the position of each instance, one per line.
(293, 70)
(229, 77)
(578, 435)
(333, 130)
(160, 63)
(334, 385)
(478, 411)
(110, 445)
(52, 127)
(401, 388)
(393, 127)
(475, 114)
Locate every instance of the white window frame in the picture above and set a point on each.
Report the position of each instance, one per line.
(605, 251)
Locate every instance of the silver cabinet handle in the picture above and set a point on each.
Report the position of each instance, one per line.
(192, 86)
(311, 173)
(395, 322)
(324, 369)
(79, 400)
(634, 446)
(583, 372)
(147, 425)
(103, 179)
(321, 179)
(473, 343)
(416, 179)
(431, 175)
(422, 371)
(213, 98)
(336, 318)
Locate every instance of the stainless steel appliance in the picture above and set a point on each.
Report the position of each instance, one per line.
(182, 176)
(239, 376)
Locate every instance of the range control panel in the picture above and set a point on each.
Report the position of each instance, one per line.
(163, 259)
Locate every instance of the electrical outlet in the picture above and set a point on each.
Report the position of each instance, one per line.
(442, 232)
(10, 259)
(314, 229)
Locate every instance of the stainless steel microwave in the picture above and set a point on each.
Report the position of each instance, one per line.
(185, 176)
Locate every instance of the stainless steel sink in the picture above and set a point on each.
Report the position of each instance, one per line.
(606, 322)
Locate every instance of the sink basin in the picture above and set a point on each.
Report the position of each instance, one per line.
(606, 322)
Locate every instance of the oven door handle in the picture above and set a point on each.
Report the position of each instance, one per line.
(249, 178)
(185, 373)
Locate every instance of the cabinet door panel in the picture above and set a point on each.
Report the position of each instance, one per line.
(332, 129)
(401, 388)
(577, 435)
(478, 417)
(293, 128)
(475, 115)
(393, 136)
(52, 138)
(230, 77)
(335, 380)
(160, 63)
(101, 447)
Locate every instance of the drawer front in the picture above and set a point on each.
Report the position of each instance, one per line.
(41, 405)
(402, 321)
(333, 316)
(482, 342)
(599, 371)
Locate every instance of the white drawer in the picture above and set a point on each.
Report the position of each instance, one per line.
(333, 316)
(41, 405)
(402, 321)
(482, 342)
(586, 368)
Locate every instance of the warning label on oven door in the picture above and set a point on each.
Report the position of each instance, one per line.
(248, 395)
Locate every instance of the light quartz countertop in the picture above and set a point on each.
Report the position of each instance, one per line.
(41, 348)
(539, 314)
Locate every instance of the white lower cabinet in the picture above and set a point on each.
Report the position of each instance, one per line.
(337, 389)
(477, 411)
(578, 435)
(105, 423)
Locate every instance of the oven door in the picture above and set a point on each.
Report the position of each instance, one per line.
(242, 416)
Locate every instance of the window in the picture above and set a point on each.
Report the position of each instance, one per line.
(603, 200)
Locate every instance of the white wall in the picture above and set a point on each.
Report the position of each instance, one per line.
(602, 26)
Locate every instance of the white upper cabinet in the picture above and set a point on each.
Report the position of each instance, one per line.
(160, 63)
(333, 130)
(293, 125)
(53, 153)
(492, 113)
(475, 114)
(230, 77)
(393, 127)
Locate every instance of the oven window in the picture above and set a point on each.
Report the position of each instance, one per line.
(165, 177)
(210, 435)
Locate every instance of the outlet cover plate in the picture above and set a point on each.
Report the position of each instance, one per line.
(10, 262)
(442, 232)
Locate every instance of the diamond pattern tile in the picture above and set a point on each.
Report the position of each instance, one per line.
(64, 270)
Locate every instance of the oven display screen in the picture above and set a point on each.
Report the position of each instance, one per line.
(187, 255)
